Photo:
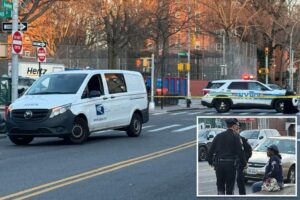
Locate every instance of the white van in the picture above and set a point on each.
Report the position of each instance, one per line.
(72, 104)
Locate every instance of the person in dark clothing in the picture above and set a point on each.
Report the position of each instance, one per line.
(240, 178)
(273, 168)
(226, 148)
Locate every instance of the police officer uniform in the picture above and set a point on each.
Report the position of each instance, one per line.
(225, 151)
(240, 170)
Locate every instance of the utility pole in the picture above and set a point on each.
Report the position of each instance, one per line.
(188, 100)
(15, 57)
(292, 58)
(151, 104)
(266, 64)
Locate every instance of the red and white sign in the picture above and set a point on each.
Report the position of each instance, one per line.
(41, 53)
(17, 43)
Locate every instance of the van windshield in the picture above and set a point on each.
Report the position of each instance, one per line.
(57, 84)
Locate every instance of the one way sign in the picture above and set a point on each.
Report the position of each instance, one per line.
(7, 26)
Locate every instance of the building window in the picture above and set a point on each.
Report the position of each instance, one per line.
(26, 53)
(219, 47)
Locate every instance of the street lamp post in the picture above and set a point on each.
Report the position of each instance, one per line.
(15, 58)
(151, 104)
(291, 80)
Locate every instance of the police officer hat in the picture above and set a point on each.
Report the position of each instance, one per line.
(273, 147)
(232, 121)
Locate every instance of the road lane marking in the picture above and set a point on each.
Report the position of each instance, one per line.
(160, 113)
(164, 128)
(178, 113)
(90, 174)
(185, 128)
(148, 126)
(194, 113)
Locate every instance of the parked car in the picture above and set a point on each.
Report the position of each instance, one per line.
(224, 95)
(2, 125)
(205, 138)
(259, 159)
(257, 136)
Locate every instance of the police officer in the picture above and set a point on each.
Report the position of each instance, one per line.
(240, 179)
(226, 148)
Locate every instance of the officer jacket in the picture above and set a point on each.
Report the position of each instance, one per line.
(227, 145)
(247, 148)
(274, 169)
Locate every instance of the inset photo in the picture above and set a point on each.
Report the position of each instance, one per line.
(246, 156)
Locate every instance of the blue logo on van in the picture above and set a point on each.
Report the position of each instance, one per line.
(99, 109)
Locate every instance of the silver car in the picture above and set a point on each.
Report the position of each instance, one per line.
(259, 159)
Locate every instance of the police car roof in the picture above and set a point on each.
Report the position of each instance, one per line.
(232, 80)
(93, 71)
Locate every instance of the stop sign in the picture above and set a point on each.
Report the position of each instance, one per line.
(17, 42)
(41, 53)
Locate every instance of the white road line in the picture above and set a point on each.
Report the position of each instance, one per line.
(260, 113)
(210, 113)
(160, 113)
(194, 113)
(244, 113)
(178, 113)
(148, 126)
(164, 128)
(185, 128)
(277, 114)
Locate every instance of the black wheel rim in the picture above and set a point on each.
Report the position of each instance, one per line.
(136, 125)
(222, 105)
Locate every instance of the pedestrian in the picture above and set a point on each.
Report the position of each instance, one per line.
(273, 169)
(240, 178)
(225, 151)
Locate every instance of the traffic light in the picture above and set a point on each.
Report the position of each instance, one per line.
(145, 62)
(138, 62)
(266, 51)
(180, 67)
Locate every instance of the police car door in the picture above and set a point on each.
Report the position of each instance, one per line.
(95, 103)
(258, 93)
(238, 91)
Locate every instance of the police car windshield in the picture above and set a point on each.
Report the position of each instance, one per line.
(250, 134)
(57, 84)
(284, 146)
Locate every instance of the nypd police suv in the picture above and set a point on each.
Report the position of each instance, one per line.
(72, 104)
(226, 94)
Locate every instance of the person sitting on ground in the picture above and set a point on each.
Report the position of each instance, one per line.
(273, 169)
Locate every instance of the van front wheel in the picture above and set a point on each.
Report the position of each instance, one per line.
(135, 127)
(79, 132)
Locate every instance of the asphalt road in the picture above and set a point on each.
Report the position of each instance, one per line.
(161, 164)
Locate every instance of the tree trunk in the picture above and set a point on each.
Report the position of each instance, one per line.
(112, 56)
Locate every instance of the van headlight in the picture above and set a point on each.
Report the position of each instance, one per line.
(60, 110)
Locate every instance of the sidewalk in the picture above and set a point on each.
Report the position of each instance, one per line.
(196, 105)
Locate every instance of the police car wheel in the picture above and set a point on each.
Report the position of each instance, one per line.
(279, 105)
(222, 105)
(202, 153)
(135, 127)
(18, 140)
(79, 132)
(291, 175)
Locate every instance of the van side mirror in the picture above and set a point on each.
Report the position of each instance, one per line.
(209, 137)
(261, 137)
(94, 93)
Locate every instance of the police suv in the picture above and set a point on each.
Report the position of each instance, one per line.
(226, 94)
(72, 104)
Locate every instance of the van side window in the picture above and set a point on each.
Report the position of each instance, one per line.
(94, 87)
(115, 83)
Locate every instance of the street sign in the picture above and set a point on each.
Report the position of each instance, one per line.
(39, 44)
(17, 42)
(6, 13)
(7, 26)
(183, 54)
(7, 5)
(41, 53)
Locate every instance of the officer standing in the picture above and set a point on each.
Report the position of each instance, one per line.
(225, 150)
(240, 179)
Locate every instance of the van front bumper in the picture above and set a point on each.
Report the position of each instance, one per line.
(58, 126)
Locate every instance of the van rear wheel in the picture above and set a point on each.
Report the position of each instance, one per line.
(135, 127)
(79, 133)
(21, 140)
